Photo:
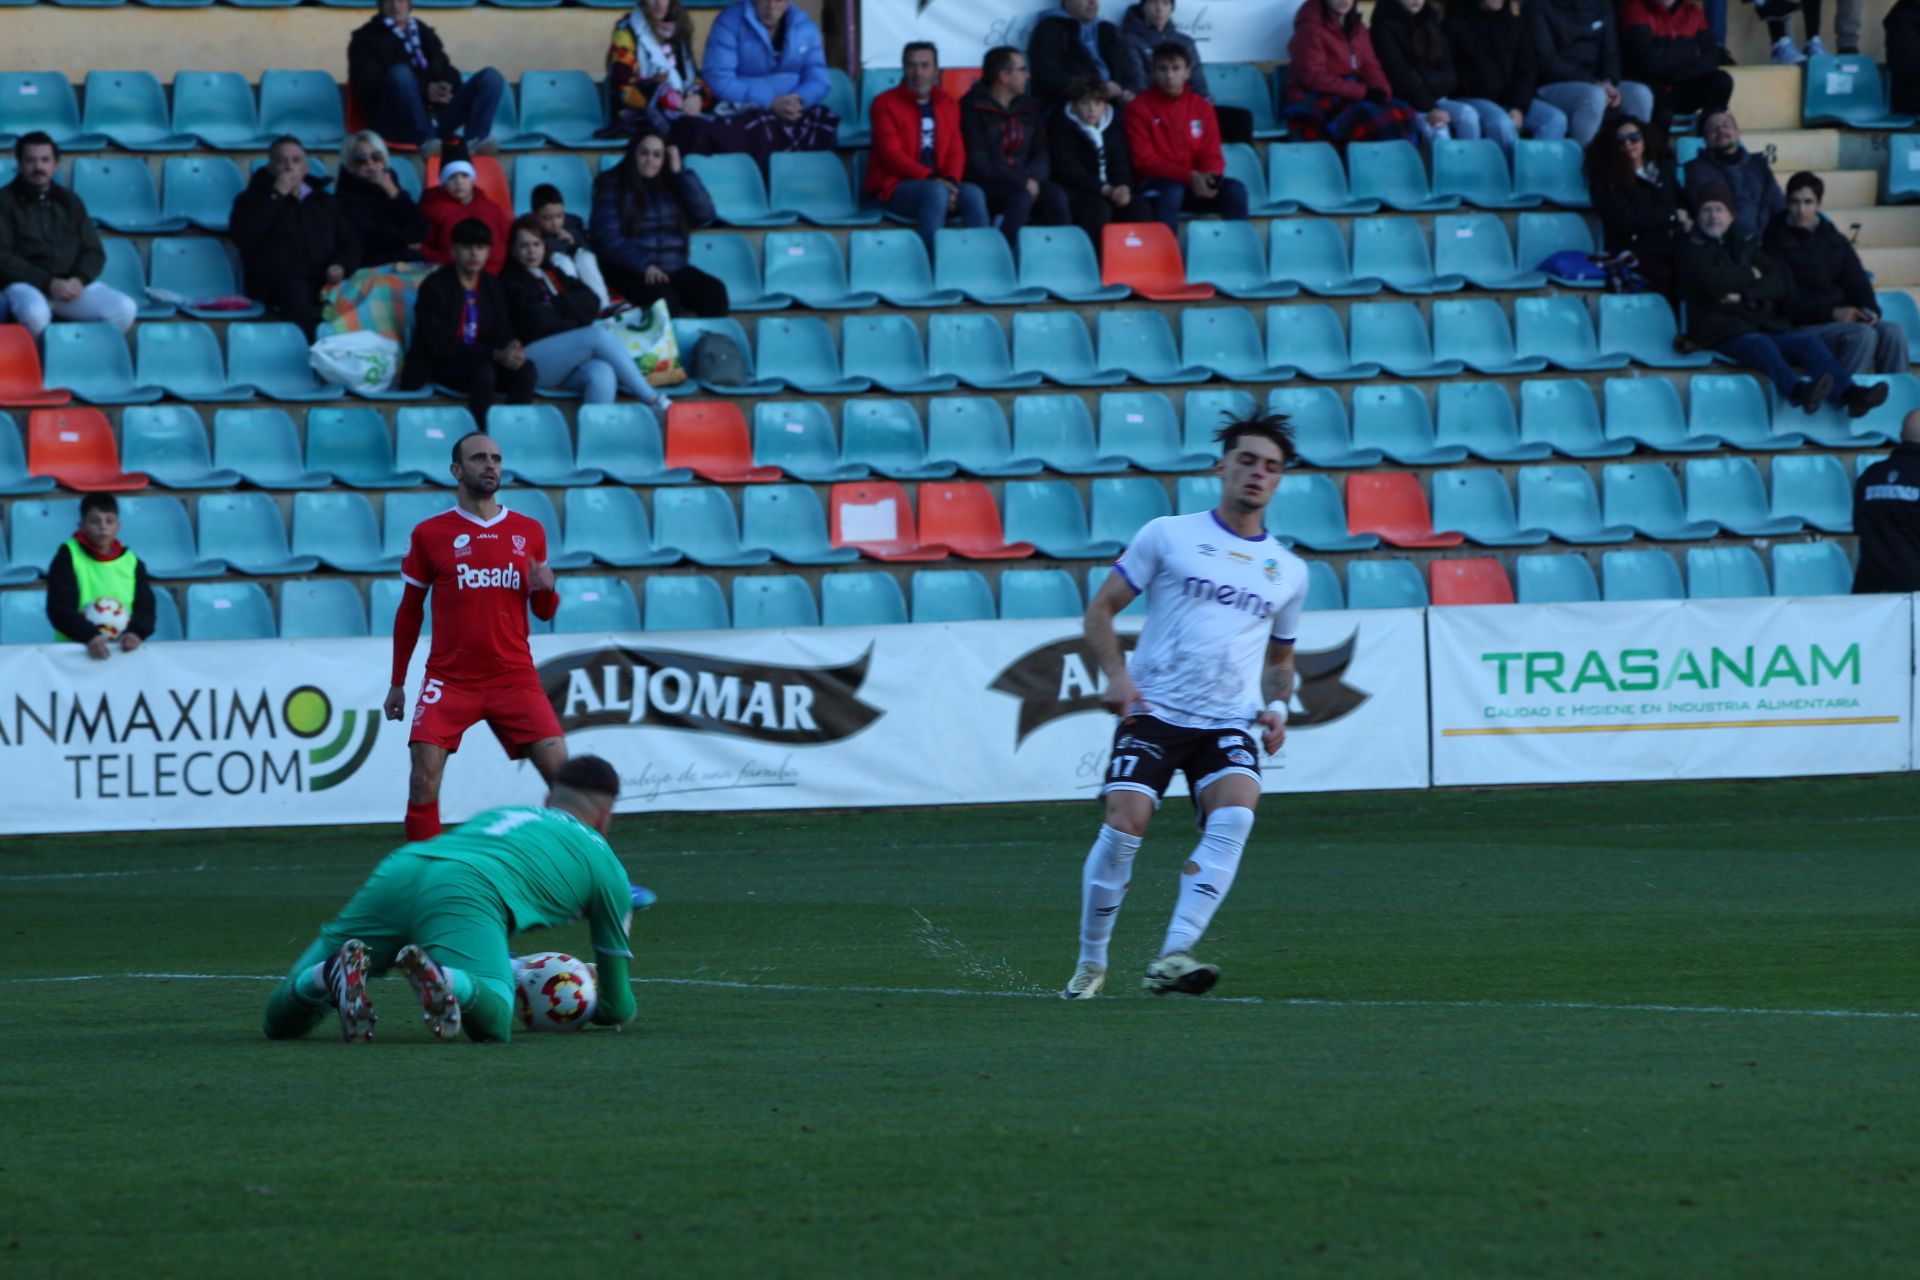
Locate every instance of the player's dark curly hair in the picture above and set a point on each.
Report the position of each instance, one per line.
(1268, 426)
(589, 774)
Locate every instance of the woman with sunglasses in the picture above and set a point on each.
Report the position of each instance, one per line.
(390, 225)
(1636, 193)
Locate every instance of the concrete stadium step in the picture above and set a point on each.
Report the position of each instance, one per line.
(1893, 267)
(1880, 227)
(1790, 149)
(1767, 97)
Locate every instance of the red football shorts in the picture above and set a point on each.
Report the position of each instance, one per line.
(518, 716)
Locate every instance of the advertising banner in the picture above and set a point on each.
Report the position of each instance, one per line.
(1671, 689)
(1223, 30)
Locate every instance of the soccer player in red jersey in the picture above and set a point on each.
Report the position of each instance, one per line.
(484, 565)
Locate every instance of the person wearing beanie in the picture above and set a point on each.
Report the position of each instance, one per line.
(457, 198)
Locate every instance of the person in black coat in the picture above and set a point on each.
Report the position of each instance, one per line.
(1886, 515)
(643, 209)
(1413, 51)
(401, 77)
(1087, 147)
(1669, 46)
(1832, 296)
(1060, 57)
(1494, 62)
(1902, 25)
(390, 225)
(463, 332)
(1636, 192)
(1006, 145)
(294, 238)
(555, 317)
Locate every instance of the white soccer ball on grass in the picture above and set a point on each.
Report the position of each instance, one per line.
(554, 991)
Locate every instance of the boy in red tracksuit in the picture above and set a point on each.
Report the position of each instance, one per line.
(1175, 140)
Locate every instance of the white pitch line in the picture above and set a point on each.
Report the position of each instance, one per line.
(1305, 1002)
(203, 869)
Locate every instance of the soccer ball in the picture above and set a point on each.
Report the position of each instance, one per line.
(554, 992)
(108, 616)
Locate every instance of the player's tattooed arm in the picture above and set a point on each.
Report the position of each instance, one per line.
(1113, 596)
(1276, 686)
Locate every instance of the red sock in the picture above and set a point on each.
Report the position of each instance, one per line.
(423, 821)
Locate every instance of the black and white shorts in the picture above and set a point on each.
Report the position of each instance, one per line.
(1148, 752)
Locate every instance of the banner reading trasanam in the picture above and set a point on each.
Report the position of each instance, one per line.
(1671, 689)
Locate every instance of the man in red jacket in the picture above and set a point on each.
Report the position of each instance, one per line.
(917, 158)
(1175, 140)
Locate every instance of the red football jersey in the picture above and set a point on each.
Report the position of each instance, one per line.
(478, 572)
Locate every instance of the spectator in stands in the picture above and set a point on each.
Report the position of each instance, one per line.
(1578, 52)
(1832, 297)
(1636, 192)
(1493, 59)
(1174, 140)
(456, 199)
(1146, 26)
(401, 76)
(1902, 25)
(1886, 515)
(294, 238)
(1007, 146)
(1337, 92)
(568, 248)
(1757, 198)
(555, 317)
(93, 566)
(1846, 28)
(643, 209)
(1087, 145)
(1413, 51)
(1733, 291)
(767, 54)
(918, 158)
(389, 224)
(1073, 42)
(1668, 46)
(462, 331)
(50, 251)
(655, 85)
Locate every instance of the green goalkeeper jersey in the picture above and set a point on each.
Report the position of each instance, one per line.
(549, 868)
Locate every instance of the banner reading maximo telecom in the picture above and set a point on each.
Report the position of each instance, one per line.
(1671, 689)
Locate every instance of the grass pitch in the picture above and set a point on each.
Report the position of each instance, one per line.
(1662, 1030)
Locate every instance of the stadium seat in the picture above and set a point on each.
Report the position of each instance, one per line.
(886, 350)
(1226, 255)
(1475, 246)
(1562, 501)
(39, 526)
(75, 446)
(1478, 417)
(689, 603)
(1561, 413)
(200, 271)
(1205, 410)
(1725, 573)
(217, 108)
(1145, 257)
(796, 351)
(1640, 575)
(43, 101)
(169, 443)
(424, 436)
(565, 106)
(353, 446)
(970, 346)
(1142, 428)
(735, 260)
(567, 173)
(1898, 306)
(1141, 343)
(1306, 509)
(797, 436)
(130, 109)
(773, 600)
(1837, 429)
(1395, 419)
(340, 530)
(1732, 408)
(1324, 592)
(1394, 251)
(788, 521)
(158, 527)
(1811, 489)
(1039, 593)
(885, 436)
(623, 440)
(894, 265)
(951, 595)
(1385, 584)
(1727, 491)
(1477, 580)
(263, 445)
(1056, 345)
(1061, 261)
(305, 104)
(321, 609)
(272, 355)
(813, 184)
(1320, 430)
(1641, 326)
(184, 360)
(126, 271)
(807, 265)
(1310, 254)
(1811, 569)
(976, 262)
(1542, 235)
(608, 523)
(1226, 341)
(1645, 497)
(709, 438)
(869, 599)
(1394, 335)
(1646, 412)
(1476, 171)
(591, 603)
(699, 520)
(1561, 330)
(1475, 332)
(1058, 430)
(537, 446)
(1123, 506)
(1244, 85)
(856, 130)
(1903, 167)
(538, 507)
(119, 193)
(956, 81)
(1847, 89)
(21, 383)
(961, 515)
(1563, 578)
(1551, 169)
(1393, 505)
(1097, 576)
(488, 175)
(970, 433)
(1479, 504)
(245, 530)
(14, 477)
(1393, 172)
(168, 626)
(739, 195)
(1048, 514)
(506, 119)
(229, 611)
(200, 191)
(1244, 167)
(1310, 174)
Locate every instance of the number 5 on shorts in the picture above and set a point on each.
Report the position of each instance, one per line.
(429, 694)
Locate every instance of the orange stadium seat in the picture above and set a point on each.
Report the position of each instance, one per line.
(875, 517)
(1479, 580)
(1391, 504)
(21, 381)
(709, 437)
(487, 175)
(961, 514)
(1145, 257)
(75, 446)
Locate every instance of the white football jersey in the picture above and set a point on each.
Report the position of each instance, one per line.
(1214, 600)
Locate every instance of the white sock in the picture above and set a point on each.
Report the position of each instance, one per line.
(1103, 885)
(1208, 875)
(312, 985)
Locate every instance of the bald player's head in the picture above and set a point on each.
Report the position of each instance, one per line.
(586, 787)
(1910, 427)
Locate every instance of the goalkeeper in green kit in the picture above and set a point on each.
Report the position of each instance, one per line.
(442, 911)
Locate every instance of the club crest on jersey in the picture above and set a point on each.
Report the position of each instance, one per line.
(519, 544)
(1272, 570)
(462, 540)
(1241, 757)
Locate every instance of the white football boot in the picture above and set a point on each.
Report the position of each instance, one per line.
(346, 975)
(1180, 972)
(439, 1007)
(1087, 981)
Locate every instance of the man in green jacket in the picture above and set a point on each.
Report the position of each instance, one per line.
(50, 251)
(98, 593)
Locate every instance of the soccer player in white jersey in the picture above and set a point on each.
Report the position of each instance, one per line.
(1214, 660)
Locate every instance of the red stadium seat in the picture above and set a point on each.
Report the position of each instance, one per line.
(1145, 257)
(487, 175)
(1479, 580)
(957, 80)
(75, 446)
(22, 383)
(875, 516)
(961, 514)
(1392, 504)
(710, 437)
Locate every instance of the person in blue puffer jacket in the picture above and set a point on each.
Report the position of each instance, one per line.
(643, 209)
(768, 55)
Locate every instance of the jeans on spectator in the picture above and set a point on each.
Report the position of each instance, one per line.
(1864, 348)
(1585, 103)
(689, 291)
(1465, 124)
(28, 306)
(1717, 20)
(1014, 206)
(1542, 119)
(1775, 354)
(404, 115)
(589, 360)
(1168, 199)
(924, 200)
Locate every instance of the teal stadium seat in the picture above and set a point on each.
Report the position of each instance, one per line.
(884, 435)
(1561, 413)
(623, 440)
(130, 109)
(1478, 417)
(536, 506)
(1733, 408)
(126, 271)
(1479, 504)
(272, 355)
(970, 433)
(245, 530)
(788, 520)
(91, 360)
(159, 527)
(424, 436)
(976, 262)
(14, 478)
(700, 520)
(383, 601)
(1227, 255)
(1056, 345)
(970, 346)
(685, 604)
(1308, 509)
(1324, 592)
(565, 106)
(1320, 429)
(595, 603)
(1061, 261)
(798, 437)
(1562, 501)
(1727, 490)
(1039, 593)
(1244, 167)
(1560, 329)
(814, 185)
(1645, 497)
(1097, 576)
(1646, 412)
(1837, 429)
(1048, 514)
(807, 265)
(1640, 575)
(1310, 174)
(1541, 235)
(1385, 584)
(951, 595)
(1226, 342)
(1058, 430)
(1244, 85)
(1475, 332)
(537, 446)
(1903, 167)
(1140, 342)
(1562, 578)
(1641, 326)
(1551, 169)
(1476, 171)
(119, 194)
(1848, 89)
(1812, 488)
(263, 445)
(894, 265)
(229, 611)
(1393, 335)
(168, 626)
(773, 600)
(184, 360)
(305, 104)
(169, 443)
(1122, 506)
(566, 173)
(795, 351)
(609, 524)
(321, 609)
(340, 530)
(1308, 337)
(1811, 569)
(1395, 419)
(871, 599)
(352, 445)
(1310, 254)
(217, 107)
(1725, 573)
(1476, 247)
(1143, 428)
(874, 81)
(43, 101)
(200, 190)
(886, 350)
(1394, 250)
(1899, 307)
(1205, 410)
(506, 117)
(1199, 493)
(739, 194)
(38, 527)
(1394, 173)
(735, 260)
(843, 100)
